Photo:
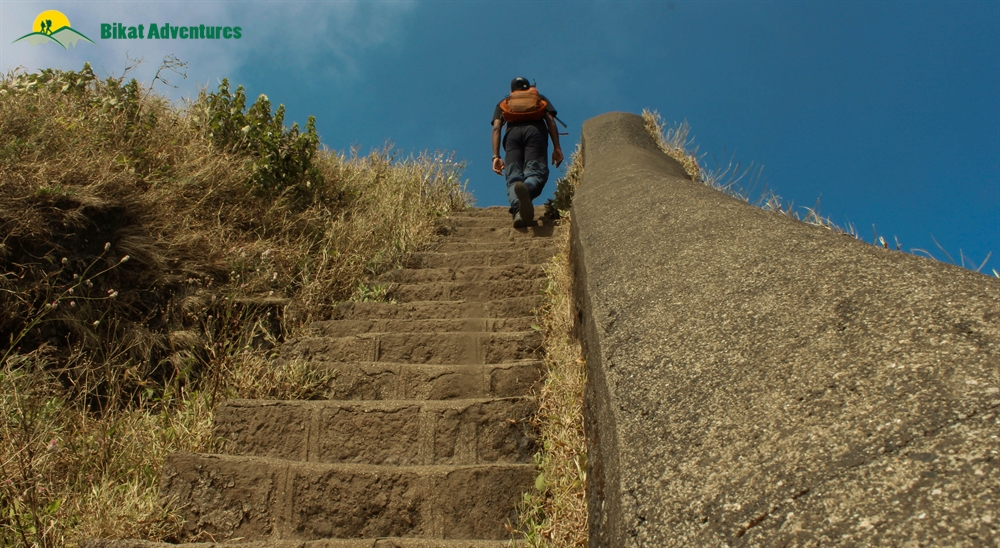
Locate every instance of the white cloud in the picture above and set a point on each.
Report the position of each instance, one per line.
(329, 35)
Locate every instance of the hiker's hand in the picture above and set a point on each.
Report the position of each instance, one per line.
(557, 157)
(498, 166)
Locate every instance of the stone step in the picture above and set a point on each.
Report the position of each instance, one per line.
(499, 221)
(229, 497)
(343, 328)
(481, 257)
(475, 291)
(452, 245)
(390, 432)
(507, 234)
(406, 381)
(499, 212)
(476, 273)
(383, 542)
(428, 310)
(468, 348)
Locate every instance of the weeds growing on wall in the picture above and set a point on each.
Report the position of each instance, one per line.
(152, 257)
(744, 183)
(562, 199)
(555, 514)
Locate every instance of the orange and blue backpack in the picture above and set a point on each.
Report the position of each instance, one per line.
(523, 105)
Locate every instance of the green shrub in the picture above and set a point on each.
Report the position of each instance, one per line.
(281, 158)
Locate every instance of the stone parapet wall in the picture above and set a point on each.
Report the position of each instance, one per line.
(756, 381)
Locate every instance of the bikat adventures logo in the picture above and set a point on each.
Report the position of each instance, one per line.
(165, 31)
(52, 26)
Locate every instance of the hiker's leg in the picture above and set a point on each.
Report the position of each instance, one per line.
(513, 144)
(536, 168)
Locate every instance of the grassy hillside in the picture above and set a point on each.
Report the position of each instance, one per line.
(151, 258)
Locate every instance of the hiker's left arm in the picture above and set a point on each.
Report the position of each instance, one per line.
(557, 153)
(497, 160)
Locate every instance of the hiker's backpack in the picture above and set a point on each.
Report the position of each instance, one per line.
(523, 105)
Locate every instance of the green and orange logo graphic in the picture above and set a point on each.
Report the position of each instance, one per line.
(53, 26)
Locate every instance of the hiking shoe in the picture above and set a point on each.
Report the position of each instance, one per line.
(525, 208)
(518, 221)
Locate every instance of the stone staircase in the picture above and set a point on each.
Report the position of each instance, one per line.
(428, 440)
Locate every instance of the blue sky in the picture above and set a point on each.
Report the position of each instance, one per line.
(887, 112)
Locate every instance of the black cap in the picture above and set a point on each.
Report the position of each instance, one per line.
(519, 83)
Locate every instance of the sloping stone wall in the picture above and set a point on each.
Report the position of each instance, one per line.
(755, 381)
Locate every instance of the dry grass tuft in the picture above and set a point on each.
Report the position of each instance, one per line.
(555, 515)
(558, 206)
(675, 143)
(151, 260)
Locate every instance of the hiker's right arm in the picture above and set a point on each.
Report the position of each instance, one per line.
(497, 160)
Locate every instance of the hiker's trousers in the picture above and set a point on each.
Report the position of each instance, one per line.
(526, 150)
